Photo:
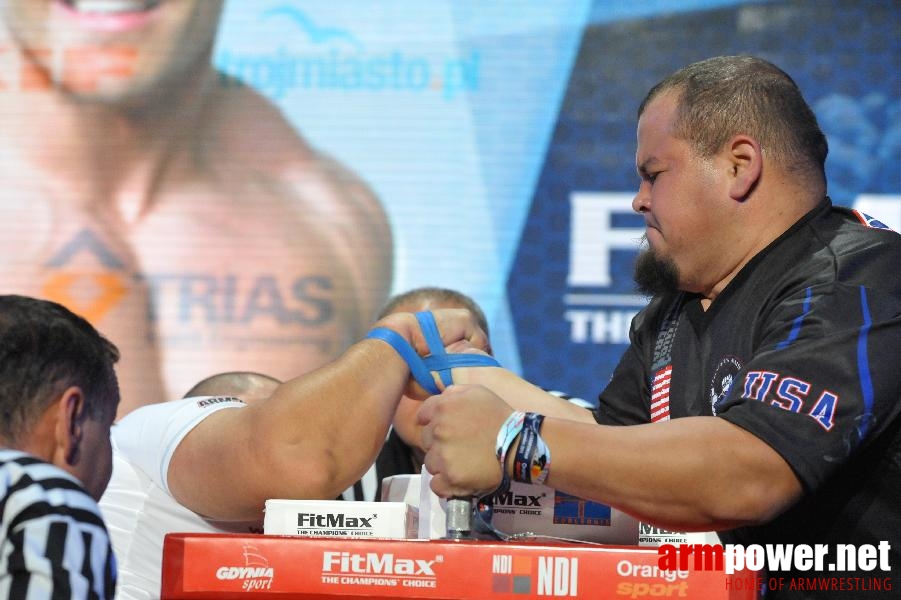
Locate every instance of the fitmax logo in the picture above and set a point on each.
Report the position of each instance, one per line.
(373, 563)
(333, 520)
(511, 499)
(648, 529)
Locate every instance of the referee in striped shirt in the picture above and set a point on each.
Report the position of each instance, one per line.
(58, 396)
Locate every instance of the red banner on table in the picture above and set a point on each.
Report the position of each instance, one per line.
(242, 566)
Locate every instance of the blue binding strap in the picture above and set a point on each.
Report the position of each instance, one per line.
(417, 367)
(437, 360)
(436, 346)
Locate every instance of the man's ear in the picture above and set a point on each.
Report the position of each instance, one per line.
(746, 158)
(70, 425)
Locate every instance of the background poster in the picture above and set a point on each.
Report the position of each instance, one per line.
(842, 54)
(499, 140)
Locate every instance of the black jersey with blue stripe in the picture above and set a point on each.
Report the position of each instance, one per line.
(803, 349)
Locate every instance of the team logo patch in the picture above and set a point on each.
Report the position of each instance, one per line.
(723, 377)
(870, 222)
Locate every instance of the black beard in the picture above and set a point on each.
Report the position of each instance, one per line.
(654, 275)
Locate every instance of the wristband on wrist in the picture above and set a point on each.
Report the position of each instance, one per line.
(508, 431)
(523, 460)
(541, 462)
(506, 435)
(533, 457)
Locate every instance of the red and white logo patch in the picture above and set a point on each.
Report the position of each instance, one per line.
(660, 394)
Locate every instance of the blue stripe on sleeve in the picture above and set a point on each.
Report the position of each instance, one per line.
(863, 366)
(796, 325)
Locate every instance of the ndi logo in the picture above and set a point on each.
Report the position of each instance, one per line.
(555, 575)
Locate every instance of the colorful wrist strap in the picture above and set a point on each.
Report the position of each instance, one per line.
(506, 435)
(533, 457)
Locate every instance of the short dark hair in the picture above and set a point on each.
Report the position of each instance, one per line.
(45, 348)
(726, 95)
(435, 294)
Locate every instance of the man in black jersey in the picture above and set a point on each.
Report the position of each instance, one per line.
(761, 393)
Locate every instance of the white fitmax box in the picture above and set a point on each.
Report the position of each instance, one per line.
(340, 519)
(524, 509)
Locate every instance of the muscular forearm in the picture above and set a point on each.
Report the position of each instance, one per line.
(311, 439)
(333, 421)
(316, 435)
(699, 473)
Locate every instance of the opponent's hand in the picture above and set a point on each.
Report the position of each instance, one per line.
(459, 432)
(456, 326)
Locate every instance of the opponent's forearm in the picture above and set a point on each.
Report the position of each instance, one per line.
(355, 399)
(314, 437)
(699, 473)
(522, 395)
(332, 422)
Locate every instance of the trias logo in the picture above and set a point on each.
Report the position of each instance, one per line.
(374, 563)
(333, 521)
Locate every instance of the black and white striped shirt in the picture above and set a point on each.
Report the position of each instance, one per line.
(53, 542)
